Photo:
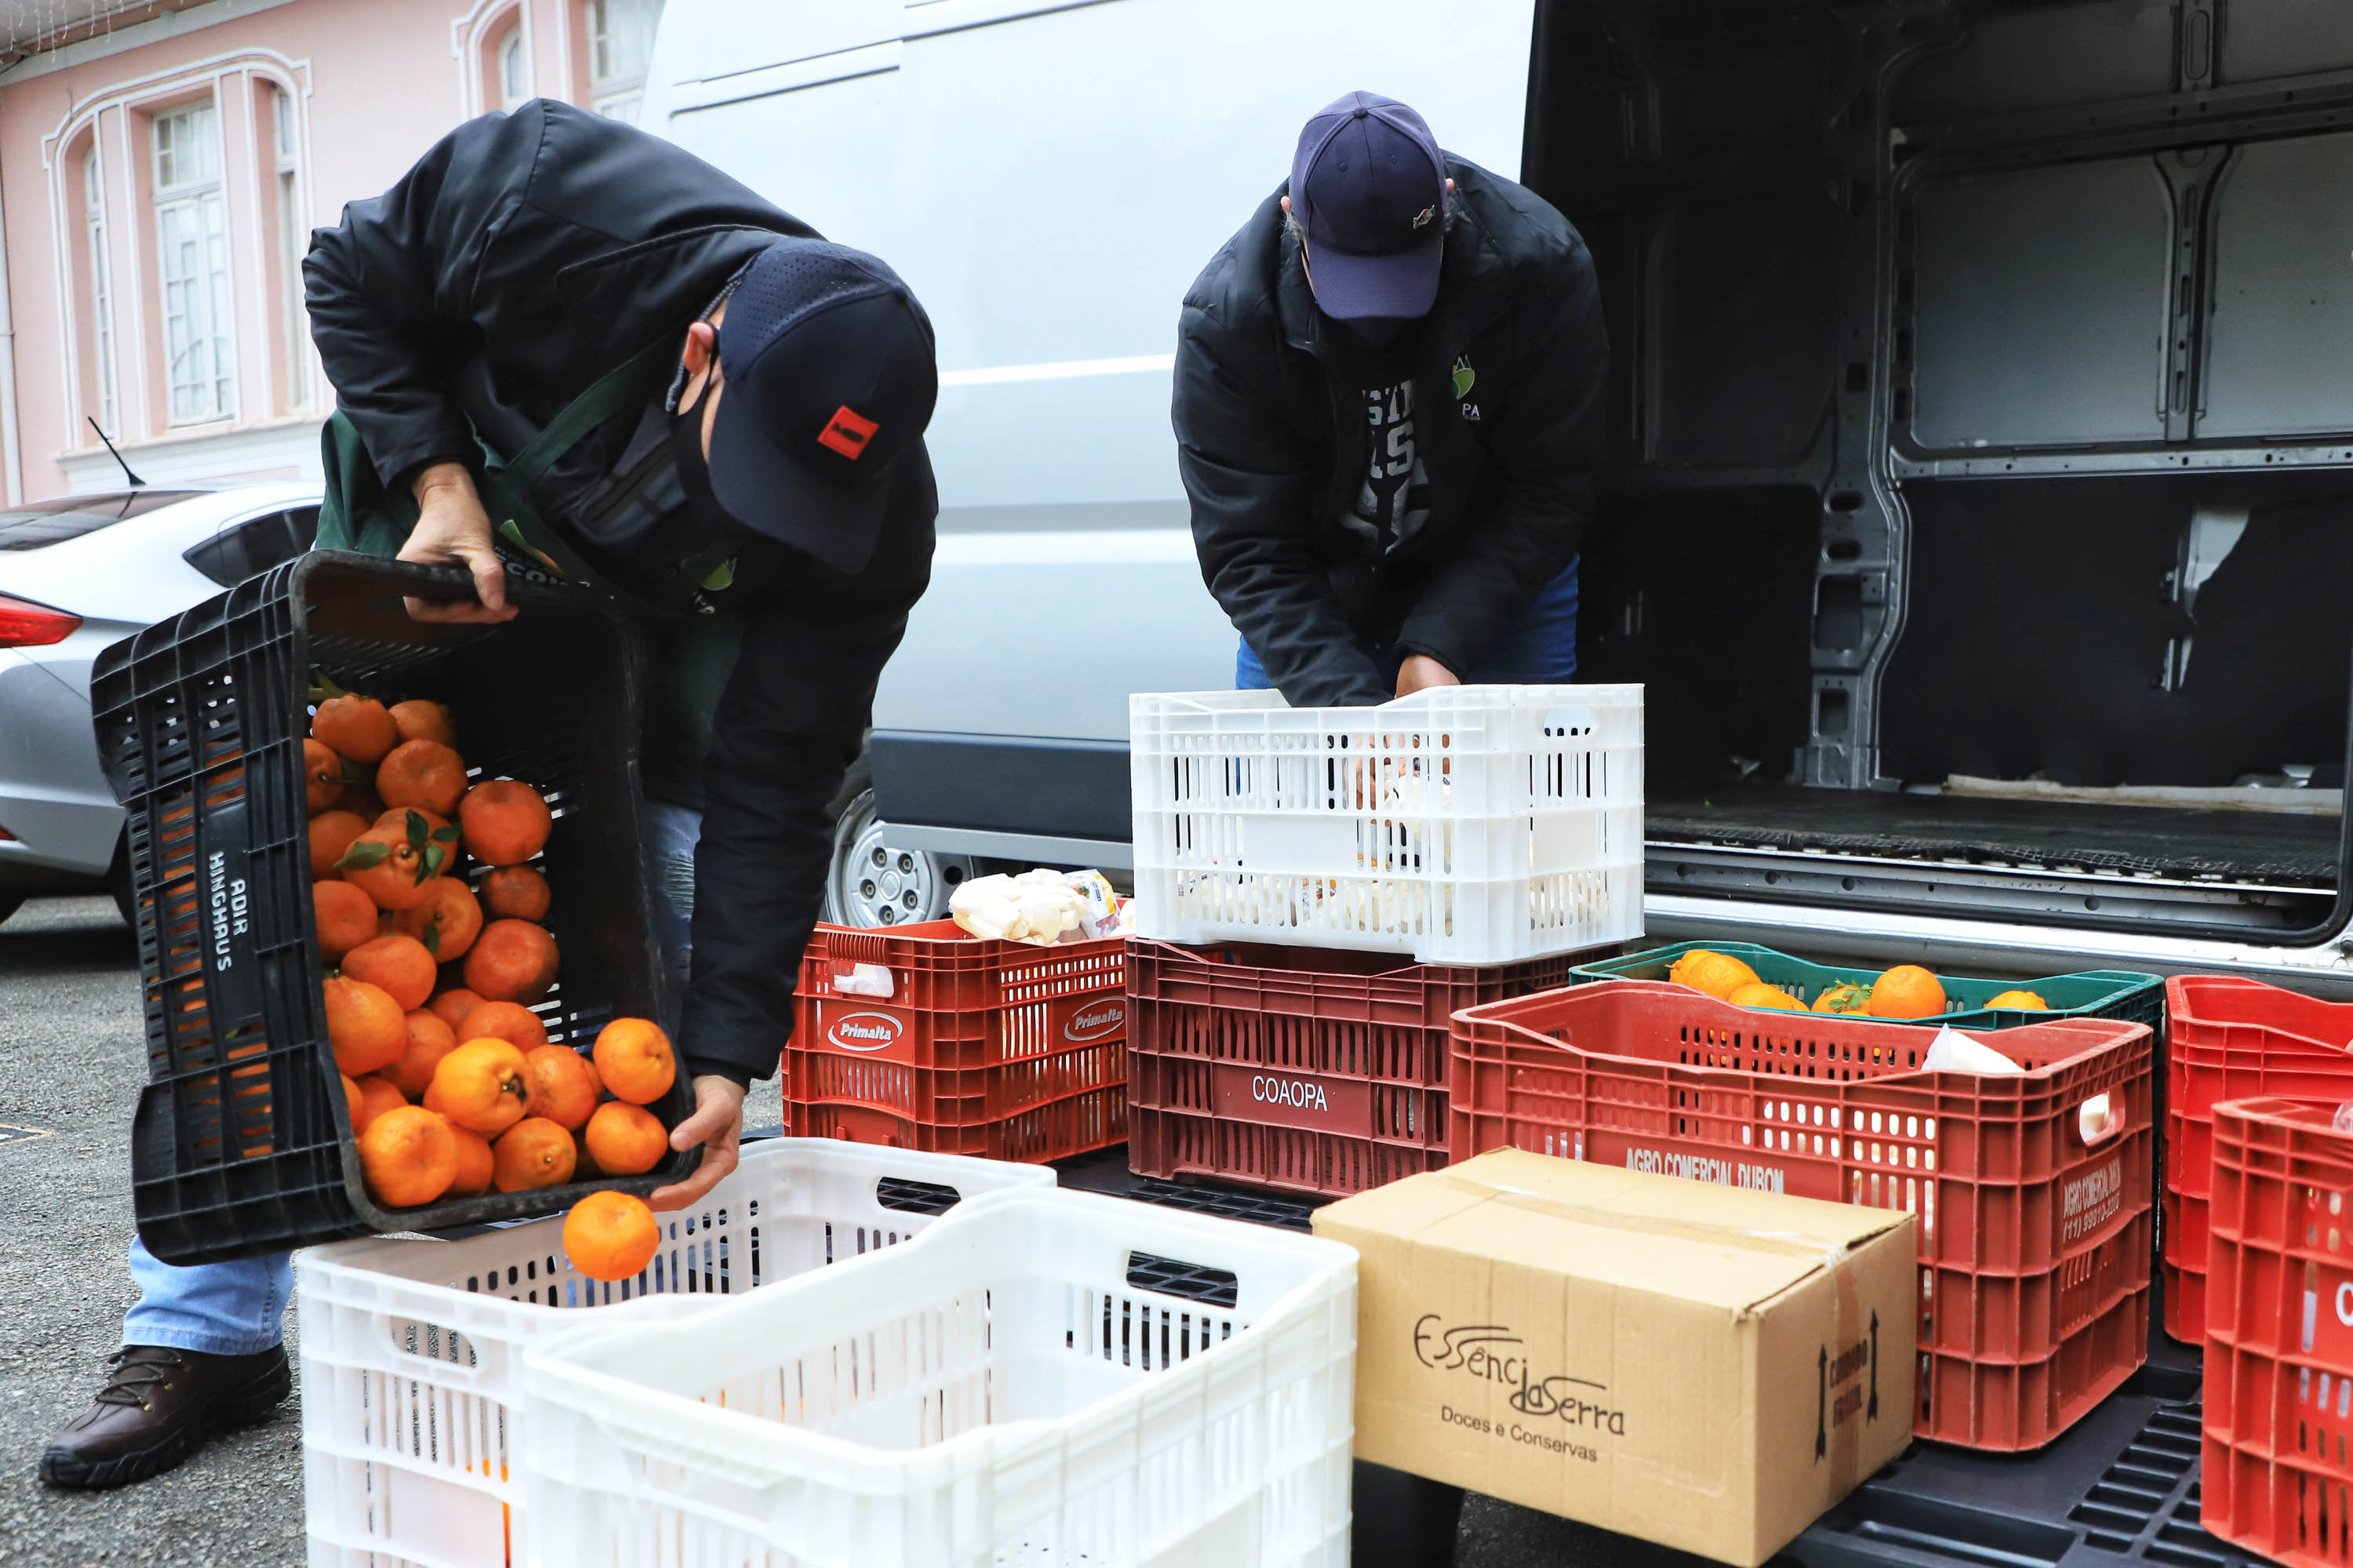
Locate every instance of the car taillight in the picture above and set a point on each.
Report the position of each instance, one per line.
(24, 624)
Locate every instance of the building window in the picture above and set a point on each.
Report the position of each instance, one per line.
(293, 238)
(102, 294)
(620, 42)
(514, 81)
(192, 246)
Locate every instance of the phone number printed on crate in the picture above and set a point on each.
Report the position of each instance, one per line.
(2091, 1201)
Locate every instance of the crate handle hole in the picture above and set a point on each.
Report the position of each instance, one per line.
(915, 1197)
(2099, 1119)
(1192, 1281)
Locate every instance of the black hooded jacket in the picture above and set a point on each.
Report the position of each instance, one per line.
(522, 257)
(1509, 372)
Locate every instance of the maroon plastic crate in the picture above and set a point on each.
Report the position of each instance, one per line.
(1307, 1069)
(998, 1048)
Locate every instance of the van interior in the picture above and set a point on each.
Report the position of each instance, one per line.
(1979, 506)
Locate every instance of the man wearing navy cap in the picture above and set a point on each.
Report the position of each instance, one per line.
(665, 386)
(1389, 411)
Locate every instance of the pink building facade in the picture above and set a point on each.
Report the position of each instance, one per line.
(159, 180)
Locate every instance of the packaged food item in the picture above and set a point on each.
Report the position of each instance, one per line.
(1099, 911)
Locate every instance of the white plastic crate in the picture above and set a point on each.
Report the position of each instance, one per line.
(412, 1376)
(1043, 1378)
(1462, 825)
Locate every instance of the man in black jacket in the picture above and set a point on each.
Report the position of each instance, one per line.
(1389, 411)
(751, 472)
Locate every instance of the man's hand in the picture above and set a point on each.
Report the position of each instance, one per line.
(1420, 671)
(716, 1124)
(452, 528)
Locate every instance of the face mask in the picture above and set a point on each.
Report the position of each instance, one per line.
(694, 469)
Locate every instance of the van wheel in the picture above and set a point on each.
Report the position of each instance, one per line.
(869, 884)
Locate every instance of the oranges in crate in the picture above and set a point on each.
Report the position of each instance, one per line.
(433, 965)
(1905, 991)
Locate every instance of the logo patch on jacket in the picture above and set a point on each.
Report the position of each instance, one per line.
(847, 432)
(1465, 379)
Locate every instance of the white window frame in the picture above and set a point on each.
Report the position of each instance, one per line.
(617, 94)
(513, 68)
(99, 258)
(193, 263)
(293, 234)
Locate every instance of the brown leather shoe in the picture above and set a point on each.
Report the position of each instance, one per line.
(158, 1408)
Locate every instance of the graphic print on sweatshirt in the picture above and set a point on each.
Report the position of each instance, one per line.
(1394, 498)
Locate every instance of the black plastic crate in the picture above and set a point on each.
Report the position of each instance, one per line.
(241, 1144)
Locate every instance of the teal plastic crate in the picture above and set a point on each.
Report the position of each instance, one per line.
(2094, 993)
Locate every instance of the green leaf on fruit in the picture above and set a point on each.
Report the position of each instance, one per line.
(431, 864)
(448, 835)
(416, 831)
(432, 937)
(363, 854)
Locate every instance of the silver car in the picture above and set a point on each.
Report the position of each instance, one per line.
(75, 574)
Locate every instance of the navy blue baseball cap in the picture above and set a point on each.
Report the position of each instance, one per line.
(831, 374)
(1368, 185)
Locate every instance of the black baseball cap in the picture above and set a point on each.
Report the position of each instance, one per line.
(831, 374)
(1368, 183)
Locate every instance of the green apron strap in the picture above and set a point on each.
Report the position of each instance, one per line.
(626, 384)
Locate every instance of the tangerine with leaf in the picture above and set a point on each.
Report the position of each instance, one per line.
(447, 922)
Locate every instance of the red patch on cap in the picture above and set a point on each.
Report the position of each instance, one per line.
(847, 432)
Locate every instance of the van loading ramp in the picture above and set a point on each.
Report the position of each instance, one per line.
(2119, 1489)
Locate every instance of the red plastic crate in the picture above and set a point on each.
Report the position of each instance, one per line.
(2034, 1239)
(1311, 1070)
(2229, 1039)
(993, 1048)
(2279, 1333)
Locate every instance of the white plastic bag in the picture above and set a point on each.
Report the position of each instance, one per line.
(865, 979)
(1035, 907)
(1954, 1052)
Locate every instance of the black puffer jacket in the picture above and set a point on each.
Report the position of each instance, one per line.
(522, 258)
(1509, 377)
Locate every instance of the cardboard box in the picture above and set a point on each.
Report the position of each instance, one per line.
(1703, 1366)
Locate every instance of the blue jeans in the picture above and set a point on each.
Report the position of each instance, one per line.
(1537, 648)
(234, 1308)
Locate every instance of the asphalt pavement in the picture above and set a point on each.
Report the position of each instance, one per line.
(71, 1061)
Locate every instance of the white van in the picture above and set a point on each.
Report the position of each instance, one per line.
(1979, 425)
